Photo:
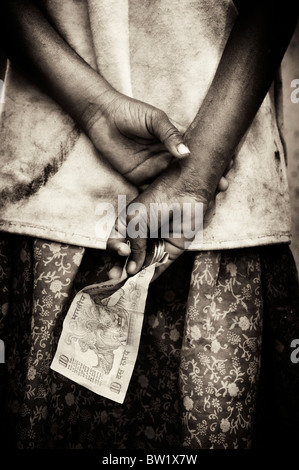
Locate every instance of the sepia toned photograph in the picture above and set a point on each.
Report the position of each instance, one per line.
(149, 227)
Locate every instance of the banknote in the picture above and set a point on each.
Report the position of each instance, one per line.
(101, 332)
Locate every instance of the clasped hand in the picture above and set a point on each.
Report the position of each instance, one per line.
(143, 145)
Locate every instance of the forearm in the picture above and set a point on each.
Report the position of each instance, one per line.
(250, 59)
(35, 44)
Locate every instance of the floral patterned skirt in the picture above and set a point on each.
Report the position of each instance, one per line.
(213, 370)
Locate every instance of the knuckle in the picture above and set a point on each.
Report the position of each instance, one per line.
(138, 245)
(171, 133)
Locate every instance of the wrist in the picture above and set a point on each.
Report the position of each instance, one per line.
(96, 103)
(210, 159)
(182, 184)
(197, 179)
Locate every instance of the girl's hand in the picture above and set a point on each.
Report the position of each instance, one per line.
(136, 138)
(178, 194)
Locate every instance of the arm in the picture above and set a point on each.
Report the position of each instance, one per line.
(252, 55)
(254, 51)
(126, 131)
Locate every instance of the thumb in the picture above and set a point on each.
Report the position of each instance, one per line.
(137, 234)
(137, 256)
(167, 133)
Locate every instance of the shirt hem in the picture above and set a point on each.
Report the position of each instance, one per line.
(76, 239)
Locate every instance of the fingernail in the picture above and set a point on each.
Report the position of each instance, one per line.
(183, 149)
(123, 250)
(131, 268)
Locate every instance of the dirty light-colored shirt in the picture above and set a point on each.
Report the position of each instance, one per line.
(164, 52)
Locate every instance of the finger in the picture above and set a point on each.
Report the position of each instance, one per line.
(116, 270)
(119, 250)
(137, 256)
(118, 247)
(167, 133)
(148, 170)
(223, 184)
